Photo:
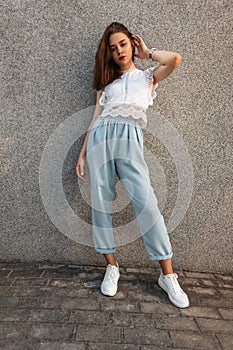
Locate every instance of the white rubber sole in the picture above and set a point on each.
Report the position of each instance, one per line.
(108, 293)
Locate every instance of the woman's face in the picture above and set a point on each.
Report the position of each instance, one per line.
(121, 49)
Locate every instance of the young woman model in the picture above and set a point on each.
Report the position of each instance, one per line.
(114, 140)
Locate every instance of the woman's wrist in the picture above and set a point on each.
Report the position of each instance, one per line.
(147, 54)
(150, 53)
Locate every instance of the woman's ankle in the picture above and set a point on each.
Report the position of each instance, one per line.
(110, 259)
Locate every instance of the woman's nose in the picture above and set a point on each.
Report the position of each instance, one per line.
(119, 50)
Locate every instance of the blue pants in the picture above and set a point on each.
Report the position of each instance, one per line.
(115, 145)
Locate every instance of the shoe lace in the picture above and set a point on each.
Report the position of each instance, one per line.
(111, 274)
(175, 284)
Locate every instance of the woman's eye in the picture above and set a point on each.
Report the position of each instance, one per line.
(112, 49)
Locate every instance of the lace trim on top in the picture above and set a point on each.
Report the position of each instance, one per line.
(150, 78)
(126, 110)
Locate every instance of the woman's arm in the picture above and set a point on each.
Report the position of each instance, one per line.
(81, 159)
(98, 110)
(169, 61)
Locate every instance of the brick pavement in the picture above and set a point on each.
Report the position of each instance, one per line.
(48, 307)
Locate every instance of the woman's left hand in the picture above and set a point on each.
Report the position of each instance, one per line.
(143, 51)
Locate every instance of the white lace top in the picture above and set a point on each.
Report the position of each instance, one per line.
(130, 95)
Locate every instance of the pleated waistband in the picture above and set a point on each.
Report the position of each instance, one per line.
(116, 119)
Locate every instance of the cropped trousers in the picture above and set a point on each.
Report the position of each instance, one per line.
(115, 145)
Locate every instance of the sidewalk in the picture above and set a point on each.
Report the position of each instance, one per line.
(48, 307)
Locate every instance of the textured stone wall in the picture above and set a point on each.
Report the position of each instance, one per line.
(47, 104)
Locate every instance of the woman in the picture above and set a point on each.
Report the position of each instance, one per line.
(115, 138)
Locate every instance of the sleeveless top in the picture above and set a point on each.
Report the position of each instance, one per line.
(130, 95)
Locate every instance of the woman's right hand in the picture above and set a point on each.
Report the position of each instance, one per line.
(80, 167)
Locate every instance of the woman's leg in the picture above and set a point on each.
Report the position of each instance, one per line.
(166, 266)
(110, 258)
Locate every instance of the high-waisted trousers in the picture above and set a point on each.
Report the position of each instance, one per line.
(115, 145)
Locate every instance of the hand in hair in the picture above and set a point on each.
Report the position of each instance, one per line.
(143, 50)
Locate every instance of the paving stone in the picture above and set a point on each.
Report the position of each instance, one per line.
(80, 303)
(48, 315)
(29, 282)
(226, 341)
(71, 292)
(52, 267)
(60, 283)
(10, 301)
(211, 325)
(89, 275)
(49, 302)
(122, 318)
(5, 273)
(52, 331)
(8, 291)
(2, 265)
(211, 282)
(194, 282)
(199, 274)
(122, 305)
(225, 292)
(104, 346)
(226, 313)
(12, 314)
(225, 278)
(157, 296)
(60, 273)
(147, 335)
(174, 322)
(61, 346)
(9, 330)
(34, 291)
(88, 317)
(194, 340)
(204, 311)
(92, 284)
(7, 281)
(26, 273)
(218, 302)
(18, 345)
(194, 299)
(145, 270)
(155, 347)
(226, 286)
(201, 291)
(129, 285)
(159, 308)
(98, 333)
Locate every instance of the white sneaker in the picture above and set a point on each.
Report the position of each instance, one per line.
(175, 293)
(109, 283)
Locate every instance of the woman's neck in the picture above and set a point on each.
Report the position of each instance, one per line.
(128, 68)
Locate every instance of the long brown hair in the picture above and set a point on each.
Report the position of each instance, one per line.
(106, 70)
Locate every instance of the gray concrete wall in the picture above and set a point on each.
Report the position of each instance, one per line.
(47, 104)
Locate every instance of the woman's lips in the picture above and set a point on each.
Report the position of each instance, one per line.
(121, 58)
